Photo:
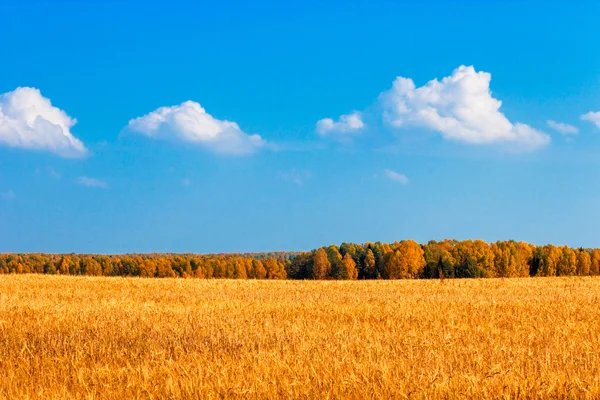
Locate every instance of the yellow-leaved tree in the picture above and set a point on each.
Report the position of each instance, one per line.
(321, 265)
(349, 267)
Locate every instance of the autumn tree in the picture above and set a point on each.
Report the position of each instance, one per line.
(349, 268)
(412, 256)
(524, 257)
(392, 266)
(595, 266)
(549, 263)
(439, 259)
(148, 269)
(584, 262)
(106, 265)
(321, 267)
(239, 270)
(335, 260)
(275, 269)
(399, 260)
(164, 269)
(89, 266)
(567, 262)
(259, 270)
(63, 266)
(404, 261)
(208, 267)
(504, 260)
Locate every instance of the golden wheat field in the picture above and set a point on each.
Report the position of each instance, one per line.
(109, 338)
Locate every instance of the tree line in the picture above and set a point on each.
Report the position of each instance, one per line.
(399, 260)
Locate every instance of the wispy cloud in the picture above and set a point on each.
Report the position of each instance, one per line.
(295, 176)
(396, 176)
(593, 117)
(563, 128)
(91, 182)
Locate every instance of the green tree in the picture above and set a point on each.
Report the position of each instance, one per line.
(300, 267)
(369, 265)
(49, 268)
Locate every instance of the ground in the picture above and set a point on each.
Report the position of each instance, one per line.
(76, 337)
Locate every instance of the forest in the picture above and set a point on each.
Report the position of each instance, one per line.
(399, 260)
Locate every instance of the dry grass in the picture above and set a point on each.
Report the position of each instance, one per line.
(65, 337)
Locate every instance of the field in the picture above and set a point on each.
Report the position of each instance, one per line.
(75, 337)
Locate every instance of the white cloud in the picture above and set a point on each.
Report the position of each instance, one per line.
(295, 176)
(593, 117)
(396, 176)
(91, 182)
(460, 107)
(29, 121)
(346, 124)
(563, 128)
(191, 123)
(9, 195)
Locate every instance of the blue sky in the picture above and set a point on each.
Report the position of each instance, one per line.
(197, 125)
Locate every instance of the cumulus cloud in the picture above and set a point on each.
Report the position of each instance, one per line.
(593, 117)
(460, 107)
(189, 122)
(91, 182)
(396, 176)
(346, 124)
(30, 121)
(563, 128)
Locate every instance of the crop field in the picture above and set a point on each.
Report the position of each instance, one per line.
(109, 338)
